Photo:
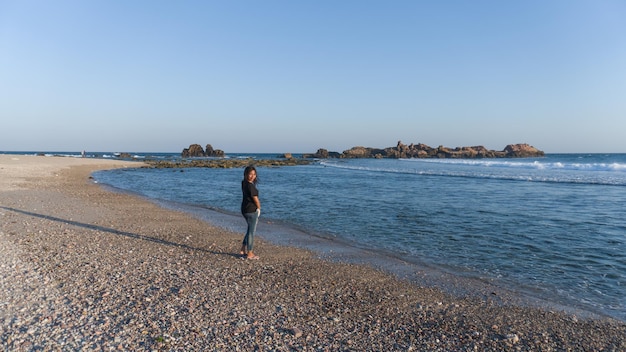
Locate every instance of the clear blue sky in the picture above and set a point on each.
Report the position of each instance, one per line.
(295, 76)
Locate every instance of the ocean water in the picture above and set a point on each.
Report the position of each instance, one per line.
(551, 227)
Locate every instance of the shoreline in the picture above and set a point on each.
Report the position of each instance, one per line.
(99, 268)
(407, 269)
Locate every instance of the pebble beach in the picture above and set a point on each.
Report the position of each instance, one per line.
(84, 268)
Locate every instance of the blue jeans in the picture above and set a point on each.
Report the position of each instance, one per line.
(252, 219)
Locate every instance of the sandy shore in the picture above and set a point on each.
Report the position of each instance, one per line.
(82, 268)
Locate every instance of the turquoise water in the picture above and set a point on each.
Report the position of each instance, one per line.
(552, 226)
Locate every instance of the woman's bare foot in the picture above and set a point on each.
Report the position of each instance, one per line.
(243, 250)
(251, 255)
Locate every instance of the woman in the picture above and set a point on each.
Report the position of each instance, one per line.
(251, 210)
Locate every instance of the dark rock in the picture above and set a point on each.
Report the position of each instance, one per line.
(194, 151)
(522, 151)
(123, 155)
(358, 152)
(322, 154)
(213, 152)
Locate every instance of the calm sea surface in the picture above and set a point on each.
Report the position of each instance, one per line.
(554, 226)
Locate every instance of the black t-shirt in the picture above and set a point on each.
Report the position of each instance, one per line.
(249, 190)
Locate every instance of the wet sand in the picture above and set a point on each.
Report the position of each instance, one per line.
(83, 268)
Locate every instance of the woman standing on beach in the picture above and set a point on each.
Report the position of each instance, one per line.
(251, 210)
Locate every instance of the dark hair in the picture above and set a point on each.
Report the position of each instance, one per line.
(247, 170)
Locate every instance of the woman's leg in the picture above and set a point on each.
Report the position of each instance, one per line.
(252, 219)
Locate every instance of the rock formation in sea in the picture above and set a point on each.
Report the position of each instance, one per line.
(195, 150)
(401, 150)
(424, 151)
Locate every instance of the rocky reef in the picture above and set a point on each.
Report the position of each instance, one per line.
(195, 154)
(401, 150)
(224, 163)
(424, 151)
